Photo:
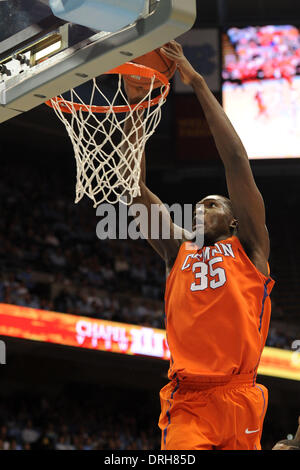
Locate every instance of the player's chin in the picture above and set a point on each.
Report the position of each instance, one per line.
(198, 230)
(210, 236)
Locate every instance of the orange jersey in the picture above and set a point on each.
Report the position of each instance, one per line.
(218, 311)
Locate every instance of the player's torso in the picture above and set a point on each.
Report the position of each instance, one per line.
(217, 310)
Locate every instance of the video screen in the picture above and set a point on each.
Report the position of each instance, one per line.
(261, 88)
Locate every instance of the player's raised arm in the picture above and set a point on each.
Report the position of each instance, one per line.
(247, 202)
(166, 247)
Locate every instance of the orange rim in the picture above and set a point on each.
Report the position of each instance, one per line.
(129, 68)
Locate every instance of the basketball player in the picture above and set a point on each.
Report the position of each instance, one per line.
(217, 305)
(262, 107)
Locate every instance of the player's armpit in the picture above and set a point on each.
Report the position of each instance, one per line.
(248, 205)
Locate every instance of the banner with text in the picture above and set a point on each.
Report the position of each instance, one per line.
(101, 335)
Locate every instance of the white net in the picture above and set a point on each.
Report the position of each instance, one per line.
(108, 160)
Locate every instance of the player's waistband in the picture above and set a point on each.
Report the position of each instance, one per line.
(206, 382)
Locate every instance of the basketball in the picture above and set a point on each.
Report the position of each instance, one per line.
(157, 61)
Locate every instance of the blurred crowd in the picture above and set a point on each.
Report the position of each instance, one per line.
(69, 423)
(263, 52)
(88, 301)
(52, 259)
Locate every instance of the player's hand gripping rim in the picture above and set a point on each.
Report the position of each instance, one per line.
(173, 50)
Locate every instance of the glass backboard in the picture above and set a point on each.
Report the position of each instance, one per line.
(42, 56)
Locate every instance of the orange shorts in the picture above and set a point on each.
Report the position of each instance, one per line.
(209, 415)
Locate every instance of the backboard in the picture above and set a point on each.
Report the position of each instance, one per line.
(42, 56)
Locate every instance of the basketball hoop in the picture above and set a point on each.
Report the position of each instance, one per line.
(102, 174)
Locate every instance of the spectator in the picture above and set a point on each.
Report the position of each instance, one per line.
(29, 434)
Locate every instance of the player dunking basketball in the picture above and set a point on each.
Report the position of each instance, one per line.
(217, 303)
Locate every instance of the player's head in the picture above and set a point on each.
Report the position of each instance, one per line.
(286, 444)
(219, 220)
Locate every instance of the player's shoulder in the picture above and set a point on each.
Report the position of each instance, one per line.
(185, 242)
(255, 255)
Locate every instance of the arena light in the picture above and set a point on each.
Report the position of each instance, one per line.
(47, 51)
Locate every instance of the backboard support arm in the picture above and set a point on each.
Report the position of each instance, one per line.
(100, 53)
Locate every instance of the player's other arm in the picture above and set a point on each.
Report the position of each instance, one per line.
(166, 247)
(246, 199)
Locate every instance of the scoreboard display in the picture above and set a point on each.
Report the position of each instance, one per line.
(261, 88)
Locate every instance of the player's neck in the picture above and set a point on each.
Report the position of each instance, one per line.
(211, 241)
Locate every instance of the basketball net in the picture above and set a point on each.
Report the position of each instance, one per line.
(108, 162)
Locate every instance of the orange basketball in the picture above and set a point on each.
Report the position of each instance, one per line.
(157, 61)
